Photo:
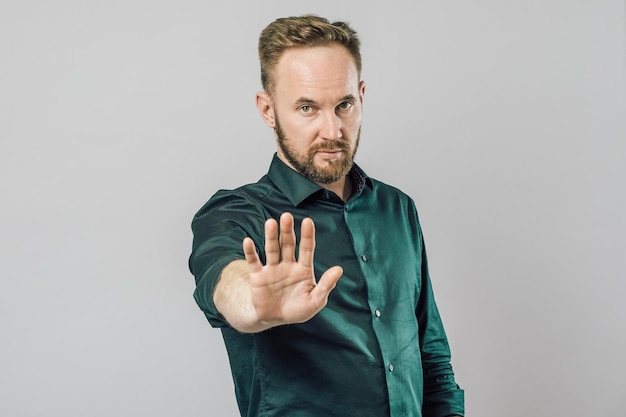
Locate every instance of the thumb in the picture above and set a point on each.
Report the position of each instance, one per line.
(325, 285)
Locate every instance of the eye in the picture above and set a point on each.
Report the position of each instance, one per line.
(344, 105)
(306, 109)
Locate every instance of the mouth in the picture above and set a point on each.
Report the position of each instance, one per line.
(330, 154)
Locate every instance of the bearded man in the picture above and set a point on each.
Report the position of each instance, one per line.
(317, 274)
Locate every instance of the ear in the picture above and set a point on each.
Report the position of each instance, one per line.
(361, 90)
(266, 108)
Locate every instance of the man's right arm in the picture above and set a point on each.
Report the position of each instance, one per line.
(233, 299)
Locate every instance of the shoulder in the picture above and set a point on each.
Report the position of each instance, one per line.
(384, 190)
(393, 200)
(246, 200)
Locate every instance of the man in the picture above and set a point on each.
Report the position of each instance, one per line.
(266, 256)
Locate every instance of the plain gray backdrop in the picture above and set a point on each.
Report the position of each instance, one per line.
(504, 120)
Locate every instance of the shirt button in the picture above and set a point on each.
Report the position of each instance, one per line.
(364, 258)
(377, 313)
(390, 367)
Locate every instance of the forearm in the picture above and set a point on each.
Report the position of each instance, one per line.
(442, 395)
(232, 297)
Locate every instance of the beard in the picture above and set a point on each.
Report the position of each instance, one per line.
(333, 170)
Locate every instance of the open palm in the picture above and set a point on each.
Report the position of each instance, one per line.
(284, 290)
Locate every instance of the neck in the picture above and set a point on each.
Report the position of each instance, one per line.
(343, 187)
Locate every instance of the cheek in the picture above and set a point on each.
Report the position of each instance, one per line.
(352, 126)
(303, 131)
(353, 121)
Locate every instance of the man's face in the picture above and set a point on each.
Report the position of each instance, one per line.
(316, 105)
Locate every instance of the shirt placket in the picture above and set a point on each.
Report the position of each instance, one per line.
(357, 219)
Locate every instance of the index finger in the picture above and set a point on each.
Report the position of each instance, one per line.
(307, 242)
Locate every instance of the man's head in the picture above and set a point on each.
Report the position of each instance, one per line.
(302, 31)
(313, 95)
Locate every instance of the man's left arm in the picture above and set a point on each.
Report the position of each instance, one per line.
(442, 396)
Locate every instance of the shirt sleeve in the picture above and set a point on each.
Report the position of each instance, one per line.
(218, 232)
(442, 396)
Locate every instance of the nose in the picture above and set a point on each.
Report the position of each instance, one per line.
(331, 127)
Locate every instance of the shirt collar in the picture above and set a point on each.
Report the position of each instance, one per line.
(298, 188)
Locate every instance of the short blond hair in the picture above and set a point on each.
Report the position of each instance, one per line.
(302, 31)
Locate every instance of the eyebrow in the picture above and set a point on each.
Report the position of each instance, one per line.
(304, 100)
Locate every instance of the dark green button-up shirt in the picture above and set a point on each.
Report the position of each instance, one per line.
(378, 348)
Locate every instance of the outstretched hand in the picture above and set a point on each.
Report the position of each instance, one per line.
(284, 290)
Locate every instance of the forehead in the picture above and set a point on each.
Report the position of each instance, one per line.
(316, 70)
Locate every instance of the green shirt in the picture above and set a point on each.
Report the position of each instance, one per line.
(378, 348)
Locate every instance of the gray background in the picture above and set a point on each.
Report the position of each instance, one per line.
(118, 119)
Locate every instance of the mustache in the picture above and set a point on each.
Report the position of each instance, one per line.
(331, 146)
